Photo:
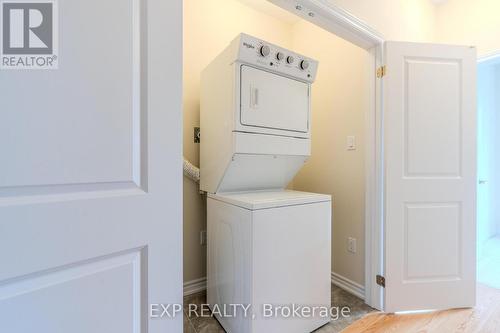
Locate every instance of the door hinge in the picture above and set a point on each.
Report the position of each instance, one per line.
(381, 71)
(381, 281)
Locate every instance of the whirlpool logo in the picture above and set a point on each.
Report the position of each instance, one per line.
(29, 34)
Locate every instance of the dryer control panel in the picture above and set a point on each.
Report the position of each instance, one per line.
(276, 59)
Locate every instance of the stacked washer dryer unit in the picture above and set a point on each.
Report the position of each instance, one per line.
(267, 246)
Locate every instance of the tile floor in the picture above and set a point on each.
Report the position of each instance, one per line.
(488, 265)
(340, 298)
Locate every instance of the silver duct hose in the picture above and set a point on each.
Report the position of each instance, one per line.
(191, 171)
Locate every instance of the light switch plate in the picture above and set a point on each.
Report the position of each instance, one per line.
(351, 142)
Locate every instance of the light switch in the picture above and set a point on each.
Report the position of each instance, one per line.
(351, 142)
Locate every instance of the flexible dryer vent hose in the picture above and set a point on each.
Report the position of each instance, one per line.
(191, 171)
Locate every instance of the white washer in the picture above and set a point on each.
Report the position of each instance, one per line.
(269, 247)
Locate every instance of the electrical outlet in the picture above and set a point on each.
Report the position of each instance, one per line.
(203, 237)
(351, 244)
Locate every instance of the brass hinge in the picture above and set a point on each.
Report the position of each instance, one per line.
(381, 71)
(381, 281)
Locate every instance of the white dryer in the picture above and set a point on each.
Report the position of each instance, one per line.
(268, 248)
(255, 116)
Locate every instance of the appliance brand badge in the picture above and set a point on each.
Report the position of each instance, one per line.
(29, 37)
(250, 46)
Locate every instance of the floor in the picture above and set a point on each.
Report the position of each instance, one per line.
(484, 318)
(340, 298)
(488, 265)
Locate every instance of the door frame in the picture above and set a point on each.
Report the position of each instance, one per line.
(345, 25)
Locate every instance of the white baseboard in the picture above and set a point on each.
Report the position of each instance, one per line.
(348, 285)
(198, 285)
(195, 286)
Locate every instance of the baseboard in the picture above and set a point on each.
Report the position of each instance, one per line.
(195, 286)
(348, 285)
(198, 285)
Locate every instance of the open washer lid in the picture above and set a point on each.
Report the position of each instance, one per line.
(269, 199)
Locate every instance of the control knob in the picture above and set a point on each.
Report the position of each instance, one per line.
(264, 50)
(304, 64)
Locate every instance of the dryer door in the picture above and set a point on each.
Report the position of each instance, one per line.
(273, 101)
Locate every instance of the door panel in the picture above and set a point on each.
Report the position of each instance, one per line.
(119, 275)
(90, 188)
(273, 101)
(430, 176)
(99, 94)
(432, 123)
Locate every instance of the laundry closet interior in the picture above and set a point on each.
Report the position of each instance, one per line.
(340, 99)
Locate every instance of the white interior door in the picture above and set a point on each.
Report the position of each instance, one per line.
(90, 180)
(430, 176)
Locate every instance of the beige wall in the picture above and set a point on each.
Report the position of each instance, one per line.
(339, 102)
(470, 22)
(209, 26)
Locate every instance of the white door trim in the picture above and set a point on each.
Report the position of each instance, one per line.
(345, 25)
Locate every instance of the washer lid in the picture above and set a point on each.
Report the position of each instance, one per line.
(269, 199)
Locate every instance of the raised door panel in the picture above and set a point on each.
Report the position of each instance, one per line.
(433, 135)
(77, 290)
(79, 124)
